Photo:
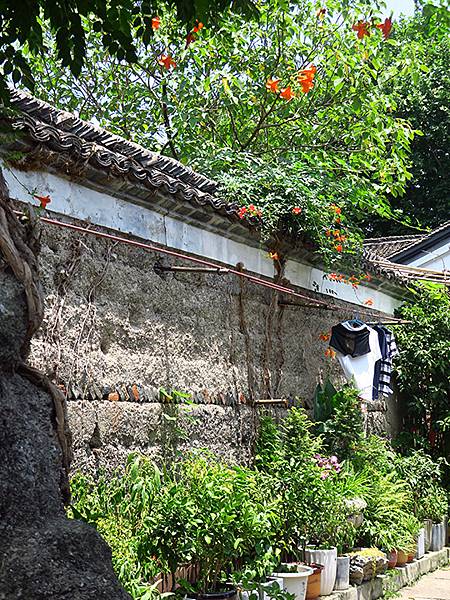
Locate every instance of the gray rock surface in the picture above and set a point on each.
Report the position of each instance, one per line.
(43, 555)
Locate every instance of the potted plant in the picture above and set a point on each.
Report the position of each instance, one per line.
(388, 539)
(233, 521)
(295, 578)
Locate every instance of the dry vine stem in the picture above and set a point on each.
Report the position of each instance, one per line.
(18, 248)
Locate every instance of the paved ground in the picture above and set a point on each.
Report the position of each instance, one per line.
(434, 586)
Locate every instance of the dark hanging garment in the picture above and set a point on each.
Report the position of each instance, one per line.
(386, 366)
(382, 339)
(349, 340)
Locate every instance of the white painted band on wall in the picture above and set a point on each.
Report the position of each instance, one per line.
(80, 202)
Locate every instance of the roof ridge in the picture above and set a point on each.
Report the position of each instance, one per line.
(58, 118)
(393, 238)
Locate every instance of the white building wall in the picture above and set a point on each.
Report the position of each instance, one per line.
(77, 201)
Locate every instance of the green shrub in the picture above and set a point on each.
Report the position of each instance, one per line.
(343, 430)
(424, 478)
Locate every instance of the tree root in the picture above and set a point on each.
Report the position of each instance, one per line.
(18, 249)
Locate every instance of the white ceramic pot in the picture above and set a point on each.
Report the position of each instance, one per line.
(436, 537)
(327, 558)
(444, 531)
(420, 544)
(428, 524)
(295, 583)
(342, 573)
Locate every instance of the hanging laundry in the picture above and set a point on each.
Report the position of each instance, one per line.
(349, 339)
(357, 365)
(384, 367)
(384, 355)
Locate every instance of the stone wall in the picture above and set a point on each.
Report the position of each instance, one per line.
(115, 331)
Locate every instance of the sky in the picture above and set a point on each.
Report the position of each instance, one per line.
(398, 7)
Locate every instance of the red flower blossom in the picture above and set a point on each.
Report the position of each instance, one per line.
(362, 27)
(287, 94)
(324, 336)
(336, 233)
(252, 208)
(328, 233)
(335, 209)
(44, 200)
(385, 28)
(166, 61)
(296, 210)
(198, 26)
(156, 23)
(305, 77)
(339, 248)
(274, 255)
(368, 302)
(330, 353)
(242, 211)
(272, 85)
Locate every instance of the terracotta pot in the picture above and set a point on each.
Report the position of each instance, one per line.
(392, 557)
(313, 587)
(410, 557)
(402, 558)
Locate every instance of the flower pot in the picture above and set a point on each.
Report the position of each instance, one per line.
(327, 558)
(392, 557)
(313, 587)
(295, 583)
(402, 558)
(427, 525)
(436, 537)
(420, 544)
(342, 573)
(410, 557)
(444, 531)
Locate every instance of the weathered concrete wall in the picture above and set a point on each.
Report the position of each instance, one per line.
(112, 322)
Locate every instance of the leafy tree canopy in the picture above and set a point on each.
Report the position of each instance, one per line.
(426, 105)
(292, 112)
(120, 23)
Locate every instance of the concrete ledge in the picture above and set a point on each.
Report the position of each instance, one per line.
(395, 579)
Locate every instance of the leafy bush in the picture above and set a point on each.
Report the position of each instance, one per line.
(237, 523)
(342, 421)
(200, 511)
(312, 511)
(118, 507)
(235, 518)
(423, 372)
(424, 479)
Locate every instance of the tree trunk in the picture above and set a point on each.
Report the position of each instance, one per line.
(42, 553)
